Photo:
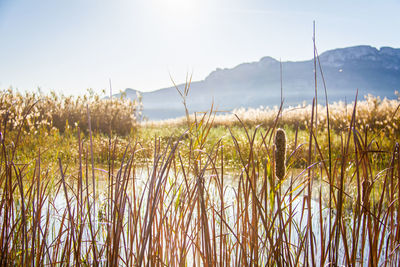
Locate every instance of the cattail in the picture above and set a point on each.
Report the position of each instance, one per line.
(280, 154)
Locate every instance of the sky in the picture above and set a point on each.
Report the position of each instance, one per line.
(71, 45)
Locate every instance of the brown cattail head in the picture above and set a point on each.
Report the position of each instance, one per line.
(280, 153)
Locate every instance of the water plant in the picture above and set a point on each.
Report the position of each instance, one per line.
(205, 195)
(280, 154)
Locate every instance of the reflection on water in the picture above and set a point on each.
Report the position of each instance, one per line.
(294, 204)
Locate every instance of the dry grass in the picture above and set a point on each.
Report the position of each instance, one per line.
(59, 112)
(186, 208)
(372, 112)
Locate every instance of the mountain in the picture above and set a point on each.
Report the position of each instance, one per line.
(370, 70)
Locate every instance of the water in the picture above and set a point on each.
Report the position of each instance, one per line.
(56, 204)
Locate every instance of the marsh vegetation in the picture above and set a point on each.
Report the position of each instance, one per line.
(83, 183)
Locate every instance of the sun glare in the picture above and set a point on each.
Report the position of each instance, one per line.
(179, 5)
(181, 8)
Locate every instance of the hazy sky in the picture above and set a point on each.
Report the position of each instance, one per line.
(72, 45)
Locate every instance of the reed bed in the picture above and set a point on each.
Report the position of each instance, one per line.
(184, 206)
(36, 111)
(372, 112)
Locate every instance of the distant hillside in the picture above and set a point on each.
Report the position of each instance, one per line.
(258, 83)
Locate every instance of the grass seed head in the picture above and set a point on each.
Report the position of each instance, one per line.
(280, 154)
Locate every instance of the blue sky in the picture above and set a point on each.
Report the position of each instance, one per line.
(69, 46)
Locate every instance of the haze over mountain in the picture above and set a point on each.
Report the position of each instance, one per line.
(370, 70)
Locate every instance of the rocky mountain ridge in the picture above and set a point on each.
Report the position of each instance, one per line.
(368, 69)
